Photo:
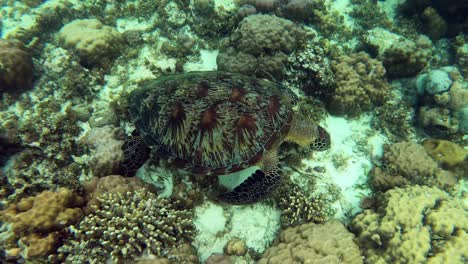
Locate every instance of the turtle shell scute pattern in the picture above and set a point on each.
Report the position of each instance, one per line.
(212, 122)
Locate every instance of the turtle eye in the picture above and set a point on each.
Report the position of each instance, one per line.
(322, 142)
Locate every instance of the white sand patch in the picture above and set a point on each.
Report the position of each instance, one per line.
(256, 224)
(348, 161)
(207, 62)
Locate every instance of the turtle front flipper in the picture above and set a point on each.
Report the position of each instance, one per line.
(255, 188)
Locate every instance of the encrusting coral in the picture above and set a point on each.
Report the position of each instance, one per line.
(360, 84)
(127, 225)
(16, 67)
(311, 243)
(446, 153)
(34, 223)
(417, 224)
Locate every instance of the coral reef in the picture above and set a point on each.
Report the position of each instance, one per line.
(446, 153)
(127, 225)
(260, 46)
(16, 67)
(443, 100)
(235, 247)
(417, 224)
(298, 207)
(33, 224)
(406, 58)
(107, 155)
(360, 84)
(91, 40)
(112, 184)
(395, 120)
(405, 163)
(311, 243)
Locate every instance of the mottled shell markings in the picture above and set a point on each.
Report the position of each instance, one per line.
(212, 121)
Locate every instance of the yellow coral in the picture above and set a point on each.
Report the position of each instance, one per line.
(34, 221)
(447, 153)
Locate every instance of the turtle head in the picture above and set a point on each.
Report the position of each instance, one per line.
(322, 140)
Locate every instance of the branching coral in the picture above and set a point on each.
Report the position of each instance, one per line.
(127, 225)
(297, 207)
(417, 224)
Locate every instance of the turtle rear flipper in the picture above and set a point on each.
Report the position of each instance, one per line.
(255, 188)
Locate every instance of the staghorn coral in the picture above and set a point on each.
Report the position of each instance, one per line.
(360, 84)
(416, 224)
(127, 225)
(406, 163)
(297, 207)
(34, 223)
(91, 40)
(312, 243)
(16, 67)
(107, 154)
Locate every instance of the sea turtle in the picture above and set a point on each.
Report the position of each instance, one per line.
(216, 123)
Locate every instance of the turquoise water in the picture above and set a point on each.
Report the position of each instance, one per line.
(249, 131)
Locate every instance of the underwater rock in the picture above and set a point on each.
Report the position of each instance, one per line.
(435, 81)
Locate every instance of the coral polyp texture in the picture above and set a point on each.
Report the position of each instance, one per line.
(260, 46)
(360, 84)
(106, 153)
(127, 225)
(16, 67)
(406, 163)
(33, 225)
(91, 40)
(314, 243)
(416, 224)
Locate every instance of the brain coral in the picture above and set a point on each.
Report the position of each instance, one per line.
(91, 40)
(417, 224)
(125, 226)
(16, 67)
(310, 243)
(360, 84)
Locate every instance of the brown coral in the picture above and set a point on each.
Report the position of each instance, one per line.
(360, 84)
(310, 243)
(447, 153)
(407, 58)
(34, 222)
(16, 67)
